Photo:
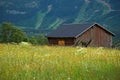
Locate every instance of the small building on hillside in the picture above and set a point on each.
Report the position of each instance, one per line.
(81, 34)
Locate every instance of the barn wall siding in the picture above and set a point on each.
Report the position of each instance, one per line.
(98, 36)
(102, 38)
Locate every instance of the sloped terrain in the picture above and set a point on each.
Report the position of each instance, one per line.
(47, 15)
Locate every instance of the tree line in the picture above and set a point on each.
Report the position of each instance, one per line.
(10, 33)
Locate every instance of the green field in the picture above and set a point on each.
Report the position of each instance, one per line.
(25, 62)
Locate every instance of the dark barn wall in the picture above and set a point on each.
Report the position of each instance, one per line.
(54, 41)
(102, 37)
(98, 36)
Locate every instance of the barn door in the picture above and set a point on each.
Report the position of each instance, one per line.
(61, 42)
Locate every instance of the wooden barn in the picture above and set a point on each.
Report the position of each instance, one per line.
(81, 34)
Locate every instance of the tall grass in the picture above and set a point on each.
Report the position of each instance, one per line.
(25, 62)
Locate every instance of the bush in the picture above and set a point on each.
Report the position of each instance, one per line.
(9, 33)
(33, 40)
(38, 40)
(42, 40)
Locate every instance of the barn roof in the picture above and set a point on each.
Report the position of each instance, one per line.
(73, 30)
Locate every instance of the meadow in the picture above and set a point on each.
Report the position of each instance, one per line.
(27, 62)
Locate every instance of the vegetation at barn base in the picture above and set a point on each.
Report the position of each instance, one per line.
(38, 40)
(9, 34)
(116, 44)
(27, 62)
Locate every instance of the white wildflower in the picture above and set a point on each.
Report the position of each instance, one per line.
(81, 51)
(100, 50)
(34, 78)
(47, 55)
(69, 78)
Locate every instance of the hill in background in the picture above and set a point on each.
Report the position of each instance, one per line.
(43, 16)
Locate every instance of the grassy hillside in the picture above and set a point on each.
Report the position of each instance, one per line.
(43, 16)
(25, 62)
